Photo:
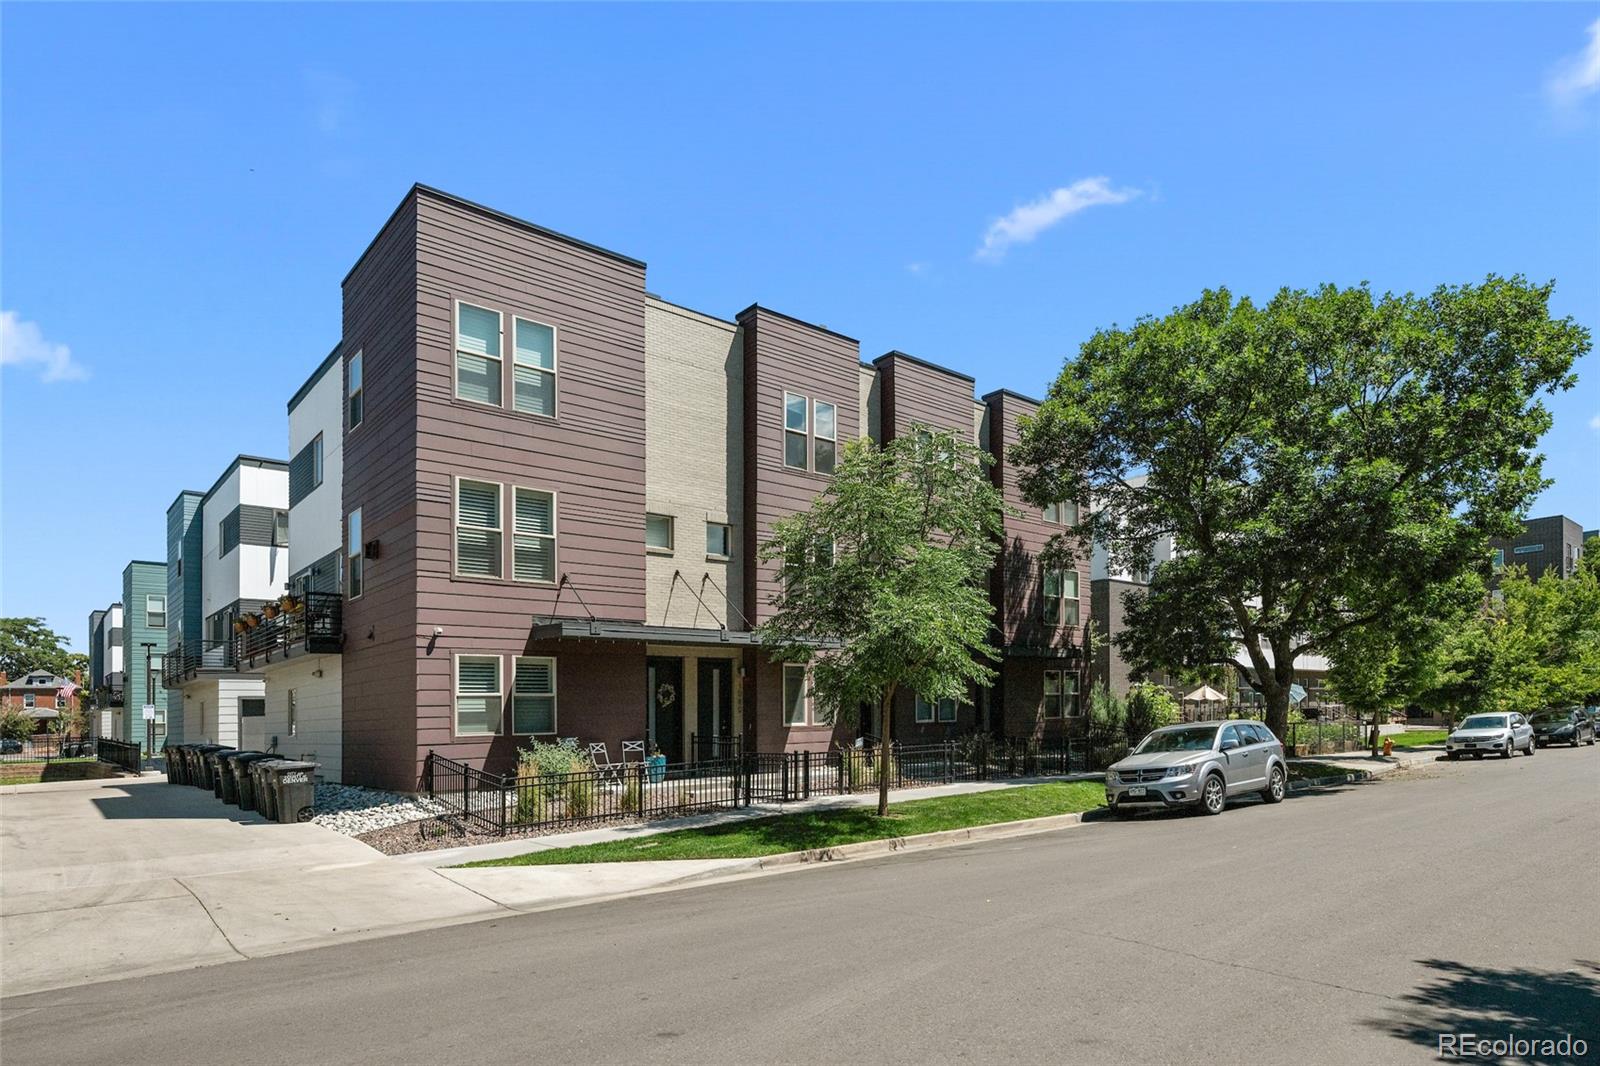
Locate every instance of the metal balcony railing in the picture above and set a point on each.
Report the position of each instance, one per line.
(316, 625)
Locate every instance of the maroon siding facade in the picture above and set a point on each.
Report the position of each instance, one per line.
(914, 392)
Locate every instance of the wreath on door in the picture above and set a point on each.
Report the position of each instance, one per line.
(666, 695)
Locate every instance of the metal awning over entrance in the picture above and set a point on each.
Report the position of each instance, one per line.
(638, 632)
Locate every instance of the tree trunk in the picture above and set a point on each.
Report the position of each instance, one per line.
(886, 713)
(1373, 738)
(1277, 701)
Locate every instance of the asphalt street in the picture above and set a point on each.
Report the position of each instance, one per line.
(1349, 925)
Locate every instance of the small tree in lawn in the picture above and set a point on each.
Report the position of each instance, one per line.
(884, 580)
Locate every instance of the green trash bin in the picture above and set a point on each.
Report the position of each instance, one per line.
(295, 784)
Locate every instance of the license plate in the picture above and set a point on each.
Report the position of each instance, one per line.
(1137, 790)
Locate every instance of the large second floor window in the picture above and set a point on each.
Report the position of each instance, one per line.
(533, 369)
(1059, 599)
(533, 697)
(810, 434)
(155, 612)
(1061, 514)
(935, 710)
(1060, 694)
(478, 528)
(478, 359)
(825, 431)
(796, 425)
(533, 536)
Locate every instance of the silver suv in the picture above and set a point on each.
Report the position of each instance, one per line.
(1201, 764)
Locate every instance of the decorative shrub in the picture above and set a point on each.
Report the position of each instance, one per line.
(14, 725)
(582, 794)
(630, 795)
(533, 804)
(1149, 707)
(552, 763)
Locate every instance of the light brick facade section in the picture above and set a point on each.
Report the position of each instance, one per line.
(694, 463)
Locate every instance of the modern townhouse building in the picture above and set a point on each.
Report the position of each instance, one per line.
(144, 640)
(1554, 542)
(296, 650)
(227, 552)
(555, 485)
(105, 667)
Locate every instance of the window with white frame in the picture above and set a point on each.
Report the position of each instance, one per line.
(794, 694)
(155, 612)
(719, 540)
(477, 695)
(533, 536)
(478, 359)
(796, 425)
(825, 436)
(533, 367)
(28, 699)
(658, 533)
(478, 546)
(356, 402)
(354, 563)
(1060, 694)
(280, 529)
(533, 697)
(1061, 514)
(1499, 558)
(936, 710)
(1058, 601)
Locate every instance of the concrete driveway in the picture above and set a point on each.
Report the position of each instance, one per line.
(119, 878)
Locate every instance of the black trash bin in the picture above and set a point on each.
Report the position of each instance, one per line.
(216, 766)
(244, 781)
(201, 777)
(296, 786)
(265, 787)
(174, 757)
(227, 776)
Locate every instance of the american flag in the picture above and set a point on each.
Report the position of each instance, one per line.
(67, 691)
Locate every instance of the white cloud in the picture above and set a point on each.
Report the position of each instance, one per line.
(1029, 220)
(1577, 76)
(1594, 423)
(919, 269)
(22, 344)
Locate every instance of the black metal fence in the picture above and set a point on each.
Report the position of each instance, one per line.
(119, 753)
(1326, 736)
(533, 803)
(46, 747)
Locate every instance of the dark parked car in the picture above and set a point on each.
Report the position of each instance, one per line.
(9, 746)
(1563, 725)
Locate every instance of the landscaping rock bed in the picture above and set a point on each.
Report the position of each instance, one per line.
(356, 811)
(434, 833)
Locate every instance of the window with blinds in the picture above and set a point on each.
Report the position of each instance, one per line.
(533, 367)
(533, 536)
(478, 360)
(305, 471)
(477, 695)
(478, 529)
(533, 697)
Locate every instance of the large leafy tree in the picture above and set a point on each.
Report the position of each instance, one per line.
(1317, 459)
(884, 579)
(28, 644)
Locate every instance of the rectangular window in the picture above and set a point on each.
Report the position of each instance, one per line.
(28, 699)
(1527, 549)
(533, 367)
(719, 541)
(478, 548)
(795, 426)
(280, 529)
(155, 612)
(1058, 601)
(478, 362)
(1061, 514)
(353, 554)
(1069, 597)
(1069, 694)
(252, 707)
(658, 533)
(1052, 694)
(825, 430)
(293, 714)
(794, 694)
(355, 393)
(533, 536)
(229, 532)
(305, 471)
(1499, 558)
(533, 697)
(936, 710)
(947, 710)
(477, 695)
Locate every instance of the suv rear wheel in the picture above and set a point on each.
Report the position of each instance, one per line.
(1276, 785)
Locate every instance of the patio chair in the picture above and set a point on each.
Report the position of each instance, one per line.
(632, 747)
(601, 758)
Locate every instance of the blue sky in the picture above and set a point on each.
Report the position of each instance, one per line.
(185, 186)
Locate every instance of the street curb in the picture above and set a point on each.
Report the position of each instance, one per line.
(943, 838)
(1351, 777)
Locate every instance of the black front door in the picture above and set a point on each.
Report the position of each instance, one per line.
(714, 713)
(664, 706)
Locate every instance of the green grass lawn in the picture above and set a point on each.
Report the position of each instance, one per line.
(1417, 738)
(823, 829)
(33, 773)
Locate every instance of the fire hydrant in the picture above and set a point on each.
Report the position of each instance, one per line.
(1388, 745)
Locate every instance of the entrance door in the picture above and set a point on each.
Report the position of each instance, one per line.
(714, 715)
(664, 703)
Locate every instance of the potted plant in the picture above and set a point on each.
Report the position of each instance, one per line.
(251, 620)
(290, 603)
(239, 626)
(270, 609)
(656, 766)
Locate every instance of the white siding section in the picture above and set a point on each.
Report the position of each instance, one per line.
(314, 522)
(211, 709)
(250, 571)
(319, 734)
(694, 461)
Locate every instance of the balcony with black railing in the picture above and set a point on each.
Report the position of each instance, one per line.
(309, 624)
(192, 658)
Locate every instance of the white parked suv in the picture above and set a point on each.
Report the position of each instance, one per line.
(1490, 734)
